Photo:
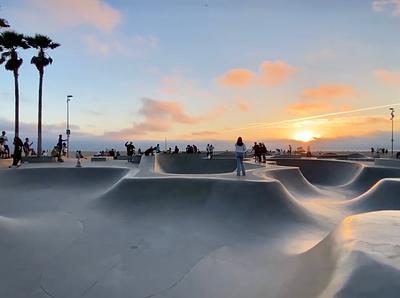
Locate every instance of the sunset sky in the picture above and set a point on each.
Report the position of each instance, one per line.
(209, 71)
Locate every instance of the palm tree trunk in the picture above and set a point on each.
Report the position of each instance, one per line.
(39, 141)
(16, 89)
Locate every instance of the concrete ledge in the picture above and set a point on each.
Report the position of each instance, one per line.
(135, 158)
(101, 158)
(38, 159)
(387, 162)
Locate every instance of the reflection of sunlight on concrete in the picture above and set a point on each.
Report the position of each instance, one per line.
(347, 232)
(306, 241)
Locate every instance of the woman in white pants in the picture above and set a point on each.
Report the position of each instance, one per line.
(240, 149)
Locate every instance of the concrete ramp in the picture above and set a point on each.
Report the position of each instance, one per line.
(384, 195)
(368, 176)
(351, 261)
(194, 164)
(295, 182)
(254, 202)
(323, 172)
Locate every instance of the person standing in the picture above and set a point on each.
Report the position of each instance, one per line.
(59, 147)
(17, 156)
(5, 143)
(130, 148)
(27, 147)
(240, 150)
(211, 151)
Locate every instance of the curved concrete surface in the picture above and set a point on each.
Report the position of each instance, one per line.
(125, 230)
(323, 172)
(194, 164)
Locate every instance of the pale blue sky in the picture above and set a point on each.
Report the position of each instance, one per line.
(119, 52)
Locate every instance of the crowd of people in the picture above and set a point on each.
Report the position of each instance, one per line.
(260, 152)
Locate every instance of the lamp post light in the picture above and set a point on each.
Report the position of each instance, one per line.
(392, 119)
(68, 131)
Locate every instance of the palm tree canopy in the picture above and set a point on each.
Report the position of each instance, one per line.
(42, 43)
(10, 41)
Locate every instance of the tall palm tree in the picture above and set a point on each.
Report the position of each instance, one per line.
(41, 43)
(10, 42)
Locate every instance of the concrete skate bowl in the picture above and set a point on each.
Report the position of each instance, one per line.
(295, 182)
(323, 172)
(384, 195)
(355, 260)
(28, 178)
(193, 164)
(368, 176)
(234, 201)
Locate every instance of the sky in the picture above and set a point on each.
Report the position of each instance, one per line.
(281, 72)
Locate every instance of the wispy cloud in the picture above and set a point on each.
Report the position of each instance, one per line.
(329, 91)
(97, 14)
(237, 78)
(271, 73)
(321, 99)
(381, 5)
(161, 116)
(135, 46)
(388, 77)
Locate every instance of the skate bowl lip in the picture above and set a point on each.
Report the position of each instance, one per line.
(193, 164)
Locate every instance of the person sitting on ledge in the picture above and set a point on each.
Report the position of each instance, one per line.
(149, 151)
(176, 150)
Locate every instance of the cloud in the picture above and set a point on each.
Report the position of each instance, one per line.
(237, 78)
(275, 73)
(94, 13)
(381, 5)
(388, 77)
(204, 133)
(321, 99)
(160, 116)
(135, 46)
(270, 74)
(243, 105)
(306, 108)
(329, 91)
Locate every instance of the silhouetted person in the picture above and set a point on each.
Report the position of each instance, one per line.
(149, 151)
(27, 147)
(130, 149)
(211, 151)
(240, 150)
(176, 150)
(158, 148)
(4, 141)
(398, 155)
(59, 147)
(257, 152)
(263, 151)
(17, 151)
(290, 150)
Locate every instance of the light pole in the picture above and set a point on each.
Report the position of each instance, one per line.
(392, 119)
(68, 131)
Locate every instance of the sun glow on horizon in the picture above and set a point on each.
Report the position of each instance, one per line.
(305, 136)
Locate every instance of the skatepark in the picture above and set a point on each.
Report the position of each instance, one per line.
(184, 226)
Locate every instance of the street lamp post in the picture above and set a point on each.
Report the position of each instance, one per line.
(392, 119)
(68, 131)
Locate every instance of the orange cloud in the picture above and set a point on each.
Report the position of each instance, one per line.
(94, 13)
(271, 74)
(306, 108)
(160, 116)
(329, 91)
(388, 77)
(275, 73)
(237, 78)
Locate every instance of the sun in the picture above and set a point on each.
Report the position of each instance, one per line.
(305, 136)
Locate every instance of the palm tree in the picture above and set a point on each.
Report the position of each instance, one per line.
(10, 41)
(41, 43)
